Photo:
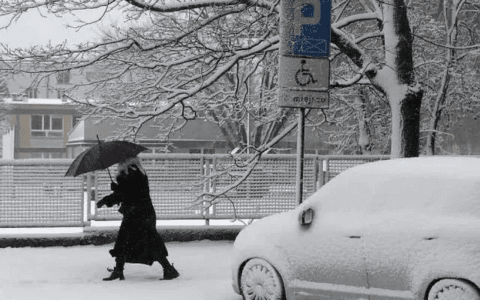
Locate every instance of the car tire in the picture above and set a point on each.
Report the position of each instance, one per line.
(453, 289)
(259, 280)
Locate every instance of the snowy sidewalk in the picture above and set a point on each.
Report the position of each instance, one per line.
(71, 273)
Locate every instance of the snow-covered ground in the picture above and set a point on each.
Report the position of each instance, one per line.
(71, 273)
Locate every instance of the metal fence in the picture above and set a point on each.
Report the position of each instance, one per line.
(35, 193)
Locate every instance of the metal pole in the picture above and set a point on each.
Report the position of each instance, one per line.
(206, 189)
(300, 152)
(248, 129)
(88, 203)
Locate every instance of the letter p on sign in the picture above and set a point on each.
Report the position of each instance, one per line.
(305, 28)
(300, 19)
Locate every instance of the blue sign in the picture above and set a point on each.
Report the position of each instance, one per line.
(305, 28)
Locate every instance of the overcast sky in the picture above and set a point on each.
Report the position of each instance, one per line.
(33, 29)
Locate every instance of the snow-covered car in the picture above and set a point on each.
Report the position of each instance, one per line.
(398, 229)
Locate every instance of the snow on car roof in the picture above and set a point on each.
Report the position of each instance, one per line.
(438, 185)
(455, 167)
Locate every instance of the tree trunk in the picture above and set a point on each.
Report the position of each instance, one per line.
(397, 79)
(436, 112)
(450, 12)
(406, 124)
(364, 135)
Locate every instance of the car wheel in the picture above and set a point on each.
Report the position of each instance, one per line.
(453, 289)
(260, 281)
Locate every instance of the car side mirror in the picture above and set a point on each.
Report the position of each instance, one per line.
(306, 217)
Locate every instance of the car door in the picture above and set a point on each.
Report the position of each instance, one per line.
(390, 244)
(328, 259)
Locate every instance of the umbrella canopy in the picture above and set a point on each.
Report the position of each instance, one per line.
(102, 156)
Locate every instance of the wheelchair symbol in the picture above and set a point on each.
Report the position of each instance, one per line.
(303, 76)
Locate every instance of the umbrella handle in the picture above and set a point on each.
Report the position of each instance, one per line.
(110, 175)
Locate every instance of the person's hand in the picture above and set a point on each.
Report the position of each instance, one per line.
(113, 186)
(101, 203)
(107, 200)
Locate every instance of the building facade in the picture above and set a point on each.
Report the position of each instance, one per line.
(198, 136)
(38, 116)
(37, 128)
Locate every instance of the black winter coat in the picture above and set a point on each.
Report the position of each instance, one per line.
(138, 240)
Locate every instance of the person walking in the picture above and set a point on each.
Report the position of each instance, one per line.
(138, 240)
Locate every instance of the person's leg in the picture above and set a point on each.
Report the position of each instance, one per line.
(169, 271)
(117, 272)
(164, 262)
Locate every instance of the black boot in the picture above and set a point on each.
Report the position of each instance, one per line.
(117, 272)
(170, 273)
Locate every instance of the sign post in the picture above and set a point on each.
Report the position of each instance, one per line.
(304, 67)
(300, 155)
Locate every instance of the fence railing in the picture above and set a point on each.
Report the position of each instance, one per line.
(35, 193)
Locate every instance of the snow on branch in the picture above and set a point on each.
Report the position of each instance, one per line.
(356, 18)
(467, 48)
(189, 5)
(348, 46)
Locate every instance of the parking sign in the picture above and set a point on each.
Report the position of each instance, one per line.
(304, 51)
(305, 28)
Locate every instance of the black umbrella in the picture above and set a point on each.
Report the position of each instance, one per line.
(102, 156)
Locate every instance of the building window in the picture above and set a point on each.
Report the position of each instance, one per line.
(36, 155)
(18, 97)
(47, 126)
(61, 94)
(46, 155)
(74, 121)
(63, 77)
(32, 93)
(209, 151)
(56, 155)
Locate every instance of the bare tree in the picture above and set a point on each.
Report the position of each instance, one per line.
(255, 119)
(450, 82)
(447, 70)
(189, 46)
(357, 122)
